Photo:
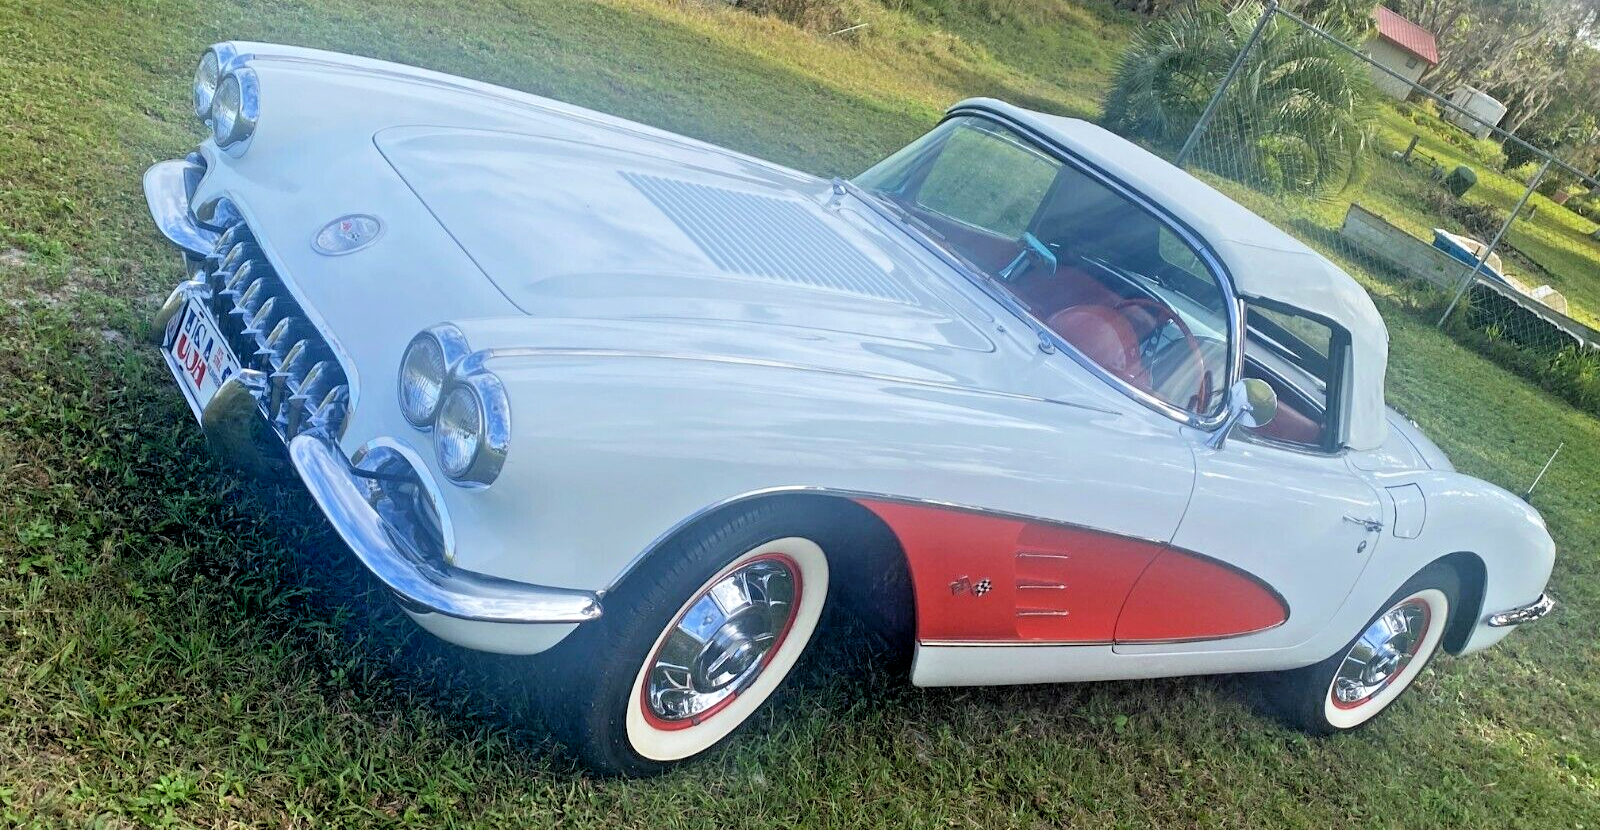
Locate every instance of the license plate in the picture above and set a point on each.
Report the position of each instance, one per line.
(197, 355)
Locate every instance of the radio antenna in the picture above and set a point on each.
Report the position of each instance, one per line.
(1536, 479)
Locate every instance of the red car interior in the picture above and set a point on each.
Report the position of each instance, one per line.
(1108, 327)
(1291, 424)
(1105, 336)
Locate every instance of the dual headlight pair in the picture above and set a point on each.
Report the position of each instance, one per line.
(227, 97)
(467, 410)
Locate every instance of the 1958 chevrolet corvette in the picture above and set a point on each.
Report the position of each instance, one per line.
(1025, 395)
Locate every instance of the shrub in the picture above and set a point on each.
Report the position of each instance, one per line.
(1523, 172)
(812, 15)
(1480, 219)
(1567, 370)
(1297, 116)
(1575, 373)
(1586, 205)
(1555, 181)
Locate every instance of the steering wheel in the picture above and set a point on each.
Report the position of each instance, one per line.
(1164, 315)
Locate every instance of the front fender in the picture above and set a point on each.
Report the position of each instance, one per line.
(612, 450)
(1463, 515)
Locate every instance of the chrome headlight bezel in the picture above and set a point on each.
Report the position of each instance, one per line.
(451, 345)
(236, 110)
(220, 58)
(490, 430)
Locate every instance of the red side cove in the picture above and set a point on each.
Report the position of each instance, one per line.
(984, 578)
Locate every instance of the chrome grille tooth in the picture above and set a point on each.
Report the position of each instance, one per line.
(243, 311)
(236, 323)
(316, 382)
(275, 310)
(314, 385)
(294, 413)
(233, 287)
(218, 283)
(329, 412)
(258, 325)
(286, 381)
(235, 256)
(275, 346)
(231, 236)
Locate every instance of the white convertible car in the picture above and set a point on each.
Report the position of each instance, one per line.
(1027, 397)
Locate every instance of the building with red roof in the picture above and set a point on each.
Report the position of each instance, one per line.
(1402, 47)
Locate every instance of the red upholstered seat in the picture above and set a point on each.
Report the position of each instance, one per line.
(1105, 336)
(1290, 424)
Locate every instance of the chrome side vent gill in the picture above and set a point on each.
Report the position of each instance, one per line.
(268, 331)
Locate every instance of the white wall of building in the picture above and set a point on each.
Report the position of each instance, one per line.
(1399, 60)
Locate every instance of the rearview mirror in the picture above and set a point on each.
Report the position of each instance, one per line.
(1252, 403)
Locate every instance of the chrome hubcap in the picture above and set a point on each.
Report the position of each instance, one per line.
(721, 643)
(1381, 654)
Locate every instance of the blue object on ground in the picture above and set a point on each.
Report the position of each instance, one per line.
(1443, 241)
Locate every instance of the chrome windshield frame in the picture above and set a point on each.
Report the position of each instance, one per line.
(1049, 340)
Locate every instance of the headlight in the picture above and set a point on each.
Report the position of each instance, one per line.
(206, 77)
(423, 370)
(460, 427)
(235, 110)
(473, 429)
(213, 64)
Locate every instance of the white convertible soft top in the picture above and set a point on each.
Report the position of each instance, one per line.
(1265, 262)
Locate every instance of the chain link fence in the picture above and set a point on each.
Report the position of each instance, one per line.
(1442, 211)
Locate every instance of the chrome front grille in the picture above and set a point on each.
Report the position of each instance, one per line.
(270, 333)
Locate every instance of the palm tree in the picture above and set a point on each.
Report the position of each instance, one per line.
(1296, 118)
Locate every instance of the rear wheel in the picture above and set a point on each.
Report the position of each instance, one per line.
(692, 646)
(1365, 677)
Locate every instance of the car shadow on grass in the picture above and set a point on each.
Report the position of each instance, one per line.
(850, 694)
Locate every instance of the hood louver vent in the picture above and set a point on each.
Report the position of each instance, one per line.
(759, 236)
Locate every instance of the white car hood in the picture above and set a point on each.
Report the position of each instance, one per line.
(568, 228)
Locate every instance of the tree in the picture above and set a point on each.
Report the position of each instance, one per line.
(1295, 118)
(1350, 19)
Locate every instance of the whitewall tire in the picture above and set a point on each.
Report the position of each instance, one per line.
(690, 648)
(660, 734)
(1374, 669)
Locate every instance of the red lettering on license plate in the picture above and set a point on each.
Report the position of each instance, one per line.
(190, 358)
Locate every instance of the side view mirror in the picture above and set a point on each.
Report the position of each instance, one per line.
(1251, 403)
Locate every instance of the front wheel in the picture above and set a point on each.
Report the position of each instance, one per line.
(692, 646)
(1364, 678)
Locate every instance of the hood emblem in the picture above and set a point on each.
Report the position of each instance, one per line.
(348, 234)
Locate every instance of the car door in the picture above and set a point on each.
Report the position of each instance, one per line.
(1279, 503)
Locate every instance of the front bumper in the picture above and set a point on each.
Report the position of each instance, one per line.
(273, 402)
(420, 585)
(1523, 614)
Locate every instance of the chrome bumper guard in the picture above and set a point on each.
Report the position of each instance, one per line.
(421, 585)
(167, 188)
(1525, 614)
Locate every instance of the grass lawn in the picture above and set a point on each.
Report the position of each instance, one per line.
(184, 648)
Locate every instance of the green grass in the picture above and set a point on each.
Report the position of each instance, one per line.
(183, 648)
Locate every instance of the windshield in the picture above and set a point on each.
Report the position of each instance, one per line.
(1111, 278)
